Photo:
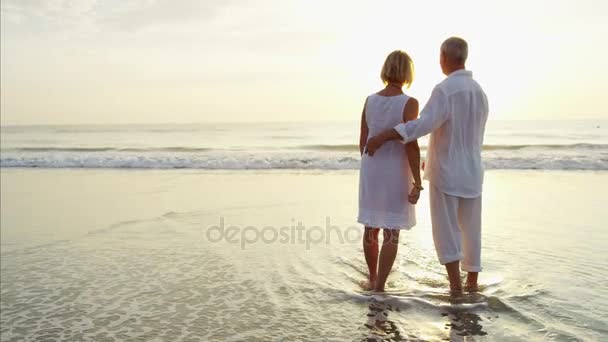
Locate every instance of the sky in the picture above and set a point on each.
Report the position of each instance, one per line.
(157, 61)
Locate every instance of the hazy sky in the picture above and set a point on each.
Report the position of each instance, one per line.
(124, 61)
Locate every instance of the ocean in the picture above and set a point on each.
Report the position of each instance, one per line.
(548, 145)
(247, 232)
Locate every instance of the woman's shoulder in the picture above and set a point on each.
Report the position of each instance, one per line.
(410, 110)
(412, 101)
(373, 97)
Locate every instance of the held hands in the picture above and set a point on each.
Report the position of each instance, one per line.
(415, 194)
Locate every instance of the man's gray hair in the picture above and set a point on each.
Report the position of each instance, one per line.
(455, 49)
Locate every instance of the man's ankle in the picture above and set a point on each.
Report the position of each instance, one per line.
(456, 288)
(472, 278)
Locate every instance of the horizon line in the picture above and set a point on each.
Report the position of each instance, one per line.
(256, 122)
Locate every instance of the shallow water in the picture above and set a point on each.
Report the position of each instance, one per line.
(154, 270)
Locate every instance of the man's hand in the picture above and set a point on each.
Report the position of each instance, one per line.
(373, 144)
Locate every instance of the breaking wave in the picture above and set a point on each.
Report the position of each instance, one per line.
(580, 157)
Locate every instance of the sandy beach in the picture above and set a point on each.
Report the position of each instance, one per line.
(142, 255)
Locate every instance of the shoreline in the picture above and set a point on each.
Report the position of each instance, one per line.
(262, 171)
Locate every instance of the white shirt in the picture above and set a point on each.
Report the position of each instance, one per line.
(456, 114)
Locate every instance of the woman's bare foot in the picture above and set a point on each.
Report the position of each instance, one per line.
(371, 285)
(390, 245)
(368, 285)
(378, 289)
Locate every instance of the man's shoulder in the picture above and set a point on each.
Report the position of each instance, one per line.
(453, 85)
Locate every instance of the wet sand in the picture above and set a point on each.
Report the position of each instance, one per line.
(143, 255)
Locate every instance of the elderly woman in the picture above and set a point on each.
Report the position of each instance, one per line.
(386, 179)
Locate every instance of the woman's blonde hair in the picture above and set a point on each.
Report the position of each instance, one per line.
(398, 68)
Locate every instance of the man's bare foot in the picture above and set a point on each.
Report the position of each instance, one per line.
(471, 282)
(457, 298)
(456, 293)
(471, 287)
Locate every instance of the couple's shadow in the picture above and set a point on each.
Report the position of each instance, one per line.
(462, 323)
(379, 326)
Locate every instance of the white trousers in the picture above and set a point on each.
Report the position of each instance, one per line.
(456, 225)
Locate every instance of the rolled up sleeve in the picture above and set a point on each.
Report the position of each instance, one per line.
(432, 117)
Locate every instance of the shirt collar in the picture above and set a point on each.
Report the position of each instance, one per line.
(462, 72)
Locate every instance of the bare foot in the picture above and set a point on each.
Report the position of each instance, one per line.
(455, 291)
(377, 289)
(471, 287)
(368, 285)
(471, 283)
(456, 295)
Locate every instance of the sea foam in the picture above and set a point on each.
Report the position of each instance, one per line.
(574, 158)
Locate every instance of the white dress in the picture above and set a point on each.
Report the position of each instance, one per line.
(385, 180)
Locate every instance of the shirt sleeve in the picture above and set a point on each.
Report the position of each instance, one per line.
(433, 115)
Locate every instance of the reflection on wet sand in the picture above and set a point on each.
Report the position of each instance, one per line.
(379, 326)
(463, 324)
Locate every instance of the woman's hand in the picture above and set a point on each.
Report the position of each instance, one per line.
(414, 194)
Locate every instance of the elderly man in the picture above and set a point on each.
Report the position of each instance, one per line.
(455, 115)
